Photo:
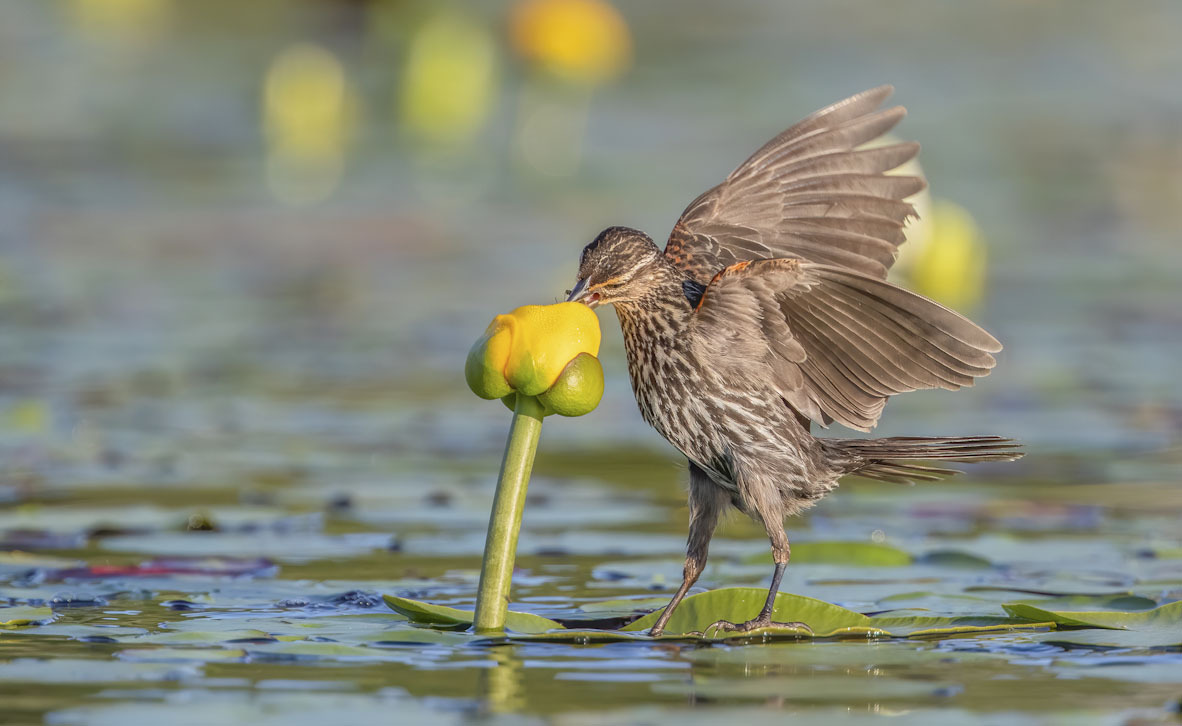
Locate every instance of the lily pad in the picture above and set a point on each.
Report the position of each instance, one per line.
(1165, 553)
(146, 518)
(955, 558)
(698, 612)
(22, 616)
(1105, 638)
(213, 566)
(1128, 602)
(926, 626)
(817, 688)
(284, 547)
(91, 671)
(1163, 624)
(314, 651)
(174, 655)
(21, 559)
(200, 637)
(453, 619)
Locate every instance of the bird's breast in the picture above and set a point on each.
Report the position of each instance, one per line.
(711, 416)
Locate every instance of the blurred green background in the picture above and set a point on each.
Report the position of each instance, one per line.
(244, 247)
(324, 194)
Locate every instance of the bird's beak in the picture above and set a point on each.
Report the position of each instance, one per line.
(577, 294)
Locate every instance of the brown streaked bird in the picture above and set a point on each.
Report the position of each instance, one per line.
(769, 309)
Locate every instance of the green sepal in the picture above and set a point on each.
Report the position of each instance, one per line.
(578, 389)
(485, 380)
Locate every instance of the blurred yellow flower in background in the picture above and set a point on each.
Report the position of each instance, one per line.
(123, 24)
(572, 46)
(29, 416)
(308, 110)
(944, 257)
(309, 115)
(579, 40)
(449, 82)
(950, 262)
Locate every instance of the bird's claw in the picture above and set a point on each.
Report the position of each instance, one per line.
(758, 623)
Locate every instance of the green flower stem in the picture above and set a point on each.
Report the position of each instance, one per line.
(500, 547)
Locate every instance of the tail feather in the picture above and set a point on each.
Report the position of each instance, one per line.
(891, 459)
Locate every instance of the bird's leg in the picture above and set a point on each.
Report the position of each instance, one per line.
(694, 564)
(706, 503)
(781, 552)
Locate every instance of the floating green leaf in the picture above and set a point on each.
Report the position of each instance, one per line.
(1128, 602)
(1163, 624)
(22, 616)
(201, 637)
(328, 651)
(453, 619)
(954, 558)
(18, 558)
(925, 626)
(171, 655)
(698, 612)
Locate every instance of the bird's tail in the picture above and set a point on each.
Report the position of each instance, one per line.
(893, 459)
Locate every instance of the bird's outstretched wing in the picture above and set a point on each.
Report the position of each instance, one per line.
(809, 193)
(834, 343)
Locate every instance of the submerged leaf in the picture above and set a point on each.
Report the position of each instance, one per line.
(922, 626)
(580, 636)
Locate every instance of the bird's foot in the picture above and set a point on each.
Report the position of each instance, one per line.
(763, 621)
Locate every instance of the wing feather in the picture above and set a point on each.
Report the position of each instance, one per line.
(836, 344)
(810, 193)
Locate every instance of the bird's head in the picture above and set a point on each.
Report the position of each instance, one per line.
(620, 265)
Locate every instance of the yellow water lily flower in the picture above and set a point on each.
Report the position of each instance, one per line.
(546, 351)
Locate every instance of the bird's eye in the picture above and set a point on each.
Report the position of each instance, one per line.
(568, 292)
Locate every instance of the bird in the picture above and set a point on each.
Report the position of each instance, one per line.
(769, 311)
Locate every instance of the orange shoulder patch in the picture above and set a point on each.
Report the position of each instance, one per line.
(729, 270)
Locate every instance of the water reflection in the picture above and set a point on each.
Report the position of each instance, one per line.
(501, 685)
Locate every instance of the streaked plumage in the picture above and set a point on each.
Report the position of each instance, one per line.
(769, 309)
